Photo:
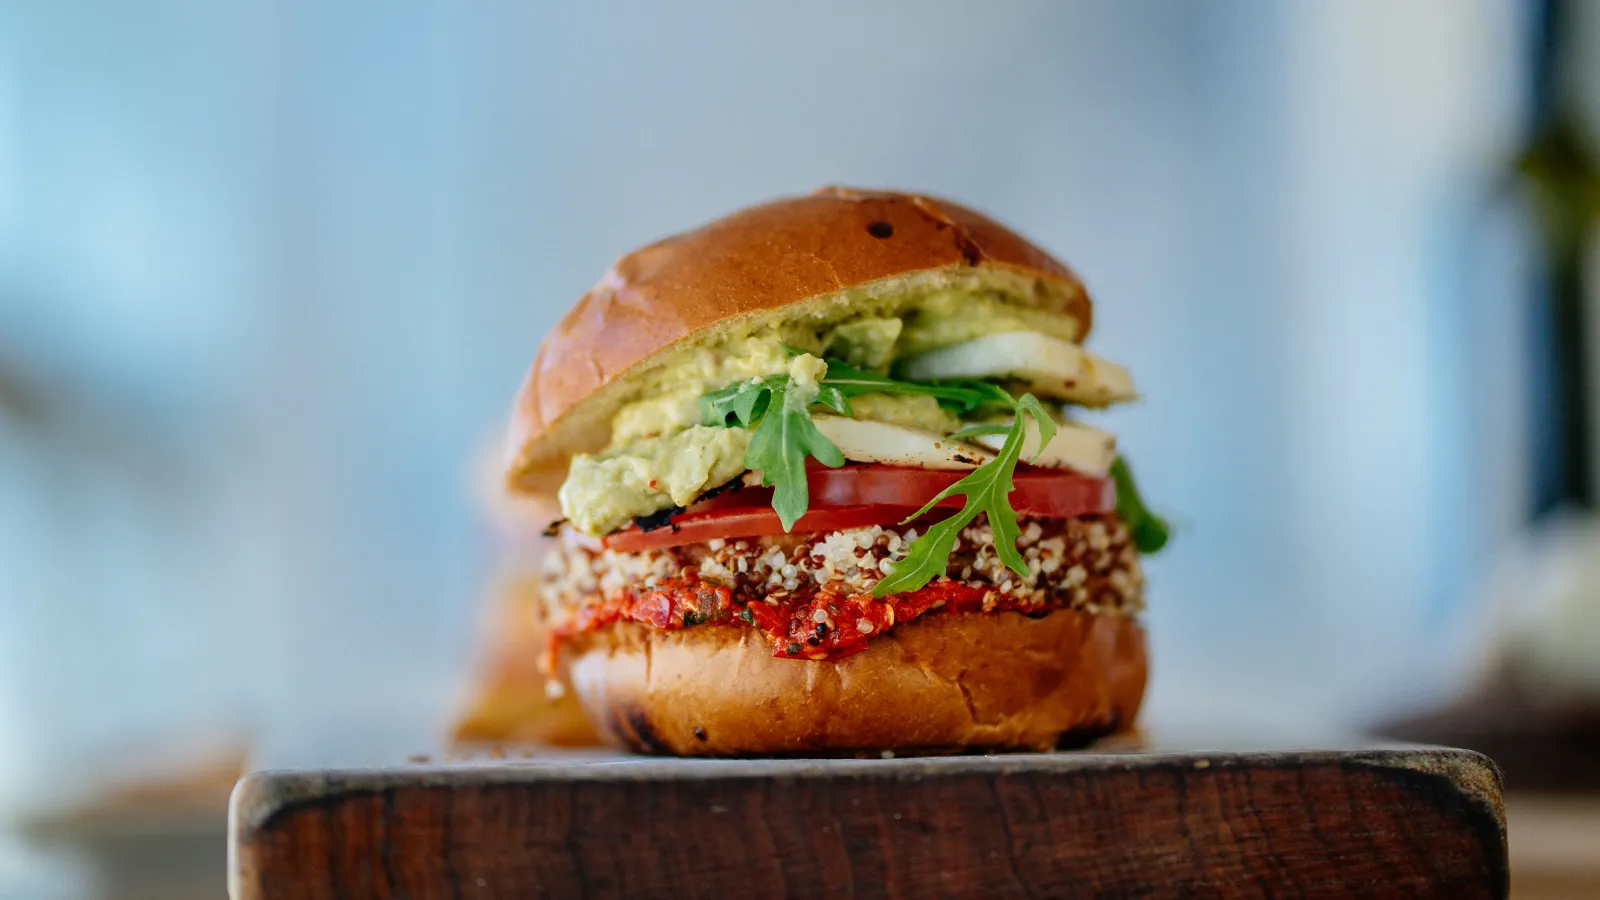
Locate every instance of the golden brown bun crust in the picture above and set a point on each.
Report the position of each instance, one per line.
(762, 258)
(945, 682)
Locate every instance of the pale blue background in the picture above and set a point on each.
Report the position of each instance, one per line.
(270, 273)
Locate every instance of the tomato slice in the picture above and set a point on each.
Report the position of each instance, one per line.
(752, 521)
(860, 494)
(1050, 493)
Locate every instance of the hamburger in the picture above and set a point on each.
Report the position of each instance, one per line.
(825, 489)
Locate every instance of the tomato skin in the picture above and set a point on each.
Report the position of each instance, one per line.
(1050, 493)
(694, 527)
(856, 495)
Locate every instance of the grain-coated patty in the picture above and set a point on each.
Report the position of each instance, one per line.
(1086, 563)
(1091, 558)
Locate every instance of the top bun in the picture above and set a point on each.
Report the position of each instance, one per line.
(837, 245)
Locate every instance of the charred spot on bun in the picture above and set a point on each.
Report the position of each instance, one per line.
(827, 489)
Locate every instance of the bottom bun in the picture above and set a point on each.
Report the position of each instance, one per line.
(944, 683)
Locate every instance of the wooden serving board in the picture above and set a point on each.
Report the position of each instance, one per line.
(1401, 821)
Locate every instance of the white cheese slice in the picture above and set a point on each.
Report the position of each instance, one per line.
(1050, 367)
(897, 445)
(1077, 447)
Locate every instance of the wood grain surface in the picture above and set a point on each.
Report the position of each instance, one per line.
(1398, 822)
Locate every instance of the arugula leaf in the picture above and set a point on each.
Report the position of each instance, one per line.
(779, 414)
(972, 431)
(1150, 531)
(783, 435)
(987, 490)
(1047, 426)
(782, 441)
(964, 395)
(745, 403)
(834, 399)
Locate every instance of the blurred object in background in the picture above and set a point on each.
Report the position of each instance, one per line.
(1532, 701)
(145, 836)
(1560, 181)
(1552, 842)
(510, 701)
(1534, 704)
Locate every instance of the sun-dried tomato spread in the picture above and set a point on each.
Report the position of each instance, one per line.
(811, 595)
(808, 624)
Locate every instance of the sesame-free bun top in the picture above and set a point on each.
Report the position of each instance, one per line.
(822, 254)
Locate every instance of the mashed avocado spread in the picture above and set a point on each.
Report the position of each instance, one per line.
(602, 493)
(901, 409)
(660, 456)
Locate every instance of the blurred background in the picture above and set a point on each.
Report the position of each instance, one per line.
(271, 270)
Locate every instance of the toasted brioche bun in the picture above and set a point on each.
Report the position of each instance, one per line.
(823, 254)
(941, 683)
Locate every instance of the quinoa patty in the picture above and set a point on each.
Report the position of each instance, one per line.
(793, 583)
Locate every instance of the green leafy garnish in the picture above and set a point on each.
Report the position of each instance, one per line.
(779, 415)
(987, 490)
(962, 396)
(783, 435)
(972, 431)
(1150, 531)
(739, 404)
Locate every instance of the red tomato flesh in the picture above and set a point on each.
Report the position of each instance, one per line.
(857, 495)
(1052, 493)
